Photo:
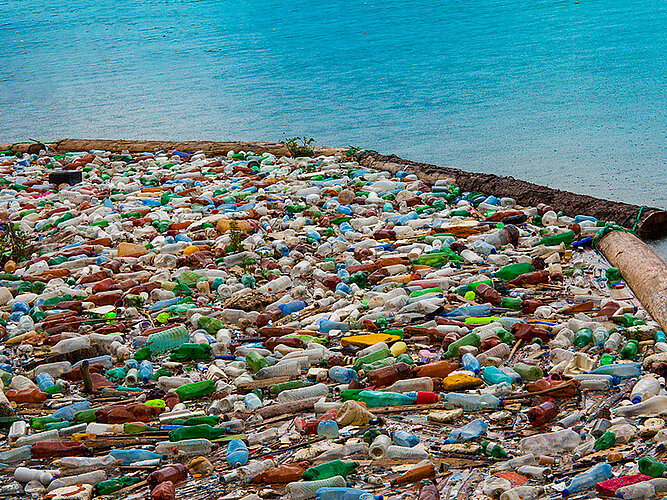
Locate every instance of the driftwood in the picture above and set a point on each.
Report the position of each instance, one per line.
(652, 224)
(642, 269)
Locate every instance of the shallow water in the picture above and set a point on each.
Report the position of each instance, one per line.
(568, 94)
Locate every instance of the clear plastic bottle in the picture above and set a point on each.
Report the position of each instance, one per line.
(70, 345)
(621, 370)
(15, 455)
(286, 369)
(403, 453)
(25, 475)
(644, 389)
(93, 477)
(191, 447)
(303, 490)
(650, 407)
(303, 393)
(69, 465)
(522, 493)
(551, 442)
(471, 402)
(237, 453)
(613, 342)
(263, 436)
(469, 431)
(344, 451)
(378, 448)
(419, 384)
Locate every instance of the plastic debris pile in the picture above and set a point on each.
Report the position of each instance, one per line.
(259, 327)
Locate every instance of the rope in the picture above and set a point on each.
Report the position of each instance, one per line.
(615, 227)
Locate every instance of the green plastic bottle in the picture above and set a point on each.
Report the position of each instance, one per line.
(556, 239)
(191, 352)
(276, 389)
(195, 390)
(419, 293)
(111, 485)
(375, 365)
(513, 303)
(369, 358)
(255, 361)
(606, 441)
(606, 359)
(328, 469)
(629, 320)
(470, 339)
(373, 399)
(506, 337)
(206, 419)
(583, 337)
(85, 416)
(660, 336)
(471, 287)
(651, 467)
(529, 373)
(630, 349)
(493, 450)
(57, 425)
(6, 422)
(211, 325)
(136, 428)
(204, 431)
(512, 271)
(437, 259)
(41, 422)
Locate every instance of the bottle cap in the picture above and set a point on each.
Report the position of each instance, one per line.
(636, 400)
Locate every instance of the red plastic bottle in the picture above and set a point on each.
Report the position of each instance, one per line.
(389, 374)
(56, 449)
(164, 491)
(26, 396)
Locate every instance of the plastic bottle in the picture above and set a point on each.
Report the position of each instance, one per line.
(471, 402)
(303, 490)
(174, 473)
(329, 469)
(303, 393)
(378, 448)
(621, 370)
(403, 438)
(651, 467)
(374, 398)
(168, 339)
(551, 442)
(237, 453)
(542, 414)
(342, 374)
(255, 361)
(645, 388)
(404, 453)
(67, 412)
(469, 431)
(344, 494)
(470, 363)
(328, 429)
(93, 478)
(649, 407)
(25, 475)
(588, 479)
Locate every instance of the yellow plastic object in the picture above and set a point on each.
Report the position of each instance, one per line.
(194, 249)
(398, 348)
(225, 225)
(158, 403)
(470, 295)
(84, 436)
(460, 382)
(370, 339)
(485, 320)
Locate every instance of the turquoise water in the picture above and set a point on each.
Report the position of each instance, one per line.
(565, 93)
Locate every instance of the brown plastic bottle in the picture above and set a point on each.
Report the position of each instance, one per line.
(438, 369)
(609, 309)
(542, 414)
(528, 332)
(384, 234)
(331, 281)
(164, 491)
(389, 374)
(26, 396)
(266, 317)
(56, 449)
(272, 342)
(529, 306)
(489, 342)
(283, 474)
(135, 412)
(104, 285)
(275, 331)
(375, 277)
(486, 293)
(105, 298)
(415, 475)
(174, 473)
(582, 307)
(531, 278)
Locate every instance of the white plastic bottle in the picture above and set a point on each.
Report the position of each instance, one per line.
(303, 393)
(378, 448)
(552, 442)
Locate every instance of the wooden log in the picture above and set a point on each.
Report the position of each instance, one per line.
(642, 269)
(652, 224)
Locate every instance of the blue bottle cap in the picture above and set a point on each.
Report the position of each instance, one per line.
(636, 400)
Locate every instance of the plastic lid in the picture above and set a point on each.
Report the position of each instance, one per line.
(636, 400)
(566, 492)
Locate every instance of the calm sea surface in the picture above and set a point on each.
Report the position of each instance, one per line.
(564, 93)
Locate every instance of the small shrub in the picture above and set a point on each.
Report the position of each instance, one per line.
(297, 149)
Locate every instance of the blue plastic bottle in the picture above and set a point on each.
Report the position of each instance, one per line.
(328, 429)
(44, 381)
(621, 370)
(327, 325)
(470, 311)
(345, 494)
(403, 438)
(237, 453)
(470, 363)
(291, 307)
(342, 375)
(588, 479)
(471, 430)
(128, 457)
(67, 412)
(145, 371)
(493, 375)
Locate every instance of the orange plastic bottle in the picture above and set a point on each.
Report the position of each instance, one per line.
(283, 474)
(415, 475)
(438, 369)
(164, 491)
(174, 473)
(26, 396)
